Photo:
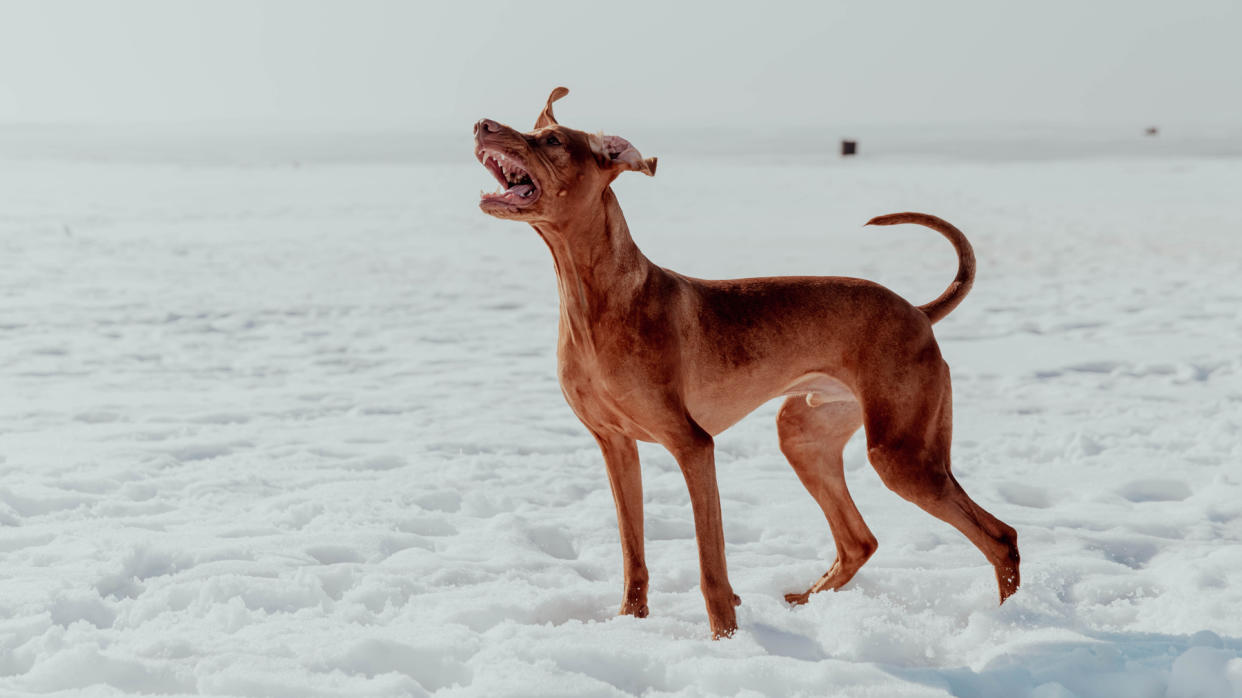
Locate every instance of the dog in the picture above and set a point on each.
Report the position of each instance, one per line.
(645, 353)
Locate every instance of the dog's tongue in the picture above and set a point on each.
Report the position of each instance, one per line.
(522, 190)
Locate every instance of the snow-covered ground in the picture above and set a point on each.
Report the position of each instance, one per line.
(270, 429)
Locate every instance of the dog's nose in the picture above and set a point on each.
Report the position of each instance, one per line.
(486, 126)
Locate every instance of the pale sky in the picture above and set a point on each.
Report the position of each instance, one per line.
(442, 65)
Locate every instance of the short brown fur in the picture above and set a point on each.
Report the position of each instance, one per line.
(648, 354)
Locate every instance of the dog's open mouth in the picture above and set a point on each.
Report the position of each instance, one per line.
(517, 188)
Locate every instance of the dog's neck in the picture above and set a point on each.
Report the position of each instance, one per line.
(598, 266)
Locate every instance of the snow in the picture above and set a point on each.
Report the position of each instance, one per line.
(292, 428)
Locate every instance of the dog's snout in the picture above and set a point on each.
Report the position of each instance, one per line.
(486, 126)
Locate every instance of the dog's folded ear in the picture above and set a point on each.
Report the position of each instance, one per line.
(616, 152)
(545, 117)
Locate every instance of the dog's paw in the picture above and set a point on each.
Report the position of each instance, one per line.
(797, 599)
(722, 617)
(636, 610)
(723, 634)
(723, 628)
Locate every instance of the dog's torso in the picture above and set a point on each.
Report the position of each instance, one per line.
(722, 348)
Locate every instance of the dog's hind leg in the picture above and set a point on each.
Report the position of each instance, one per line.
(914, 463)
(812, 439)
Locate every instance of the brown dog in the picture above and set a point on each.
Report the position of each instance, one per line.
(648, 354)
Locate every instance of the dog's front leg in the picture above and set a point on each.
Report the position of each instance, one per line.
(626, 479)
(695, 453)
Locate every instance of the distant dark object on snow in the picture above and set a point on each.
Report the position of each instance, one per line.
(1152, 131)
(849, 148)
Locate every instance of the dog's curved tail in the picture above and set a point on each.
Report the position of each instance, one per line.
(953, 295)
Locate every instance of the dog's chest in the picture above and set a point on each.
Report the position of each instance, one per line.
(606, 395)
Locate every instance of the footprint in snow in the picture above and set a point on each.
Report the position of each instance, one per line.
(1155, 491)
(553, 542)
(1024, 495)
(334, 554)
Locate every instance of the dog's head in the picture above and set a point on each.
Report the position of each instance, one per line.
(547, 174)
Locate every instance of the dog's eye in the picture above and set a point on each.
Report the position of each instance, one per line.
(551, 140)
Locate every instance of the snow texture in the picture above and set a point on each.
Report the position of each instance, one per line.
(280, 429)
